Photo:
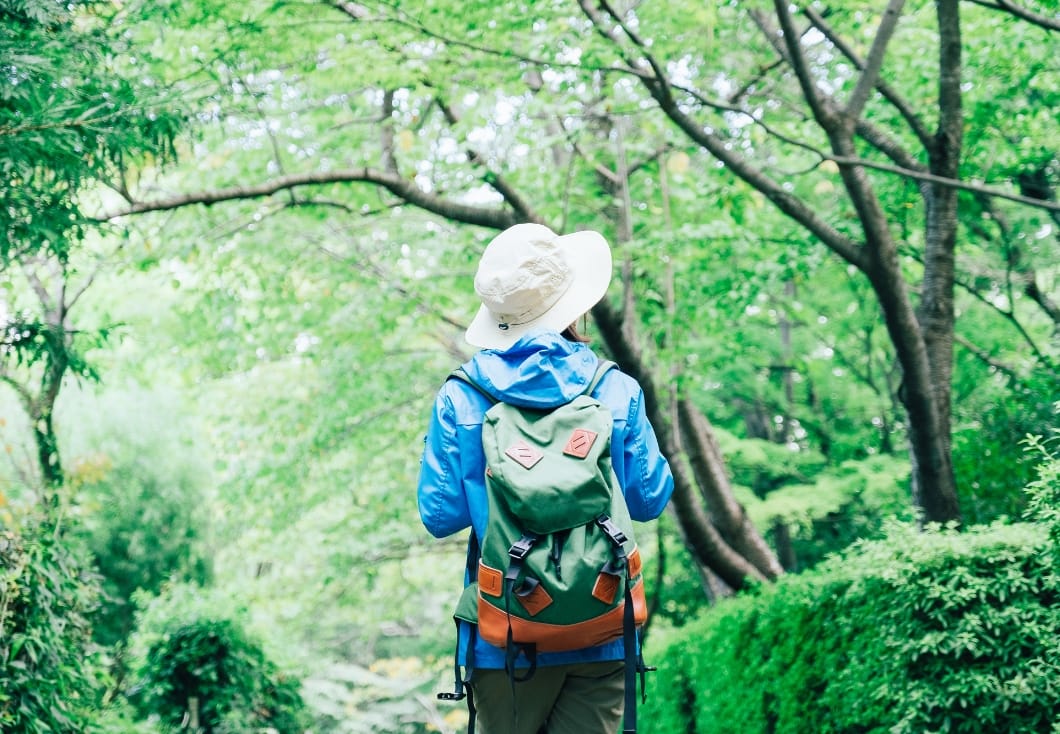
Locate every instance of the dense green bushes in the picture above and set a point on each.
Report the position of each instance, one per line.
(54, 679)
(213, 672)
(932, 632)
(49, 671)
(141, 520)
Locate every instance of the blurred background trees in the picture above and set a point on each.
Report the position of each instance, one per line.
(240, 242)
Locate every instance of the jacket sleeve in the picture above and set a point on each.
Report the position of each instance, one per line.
(442, 501)
(649, 480)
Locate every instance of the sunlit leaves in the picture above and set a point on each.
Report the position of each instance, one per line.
(73, 111)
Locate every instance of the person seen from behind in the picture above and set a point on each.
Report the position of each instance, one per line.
(534, 286)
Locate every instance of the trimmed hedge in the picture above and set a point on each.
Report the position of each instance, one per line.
(920, 632)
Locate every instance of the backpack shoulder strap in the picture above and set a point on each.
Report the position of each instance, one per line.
(460, 374)
(601, 369)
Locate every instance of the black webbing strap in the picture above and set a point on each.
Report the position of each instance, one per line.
(629, 640)
(462, 685)
(512, 649)
(516, 555)
(462, 689)
(467, 683)
(631, 653)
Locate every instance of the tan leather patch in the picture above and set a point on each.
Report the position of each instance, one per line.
(606, 587)
(524, 454)
(490, 580)
(493, 625)
(634, 563)
(536, 600)
(640, 604)
(580, 442)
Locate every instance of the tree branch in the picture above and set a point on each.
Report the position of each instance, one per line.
(659, 74)
(355, 11)
(39, 290)
(1044, 21)
(785, 201)
(797, 61)
(1007, 314)
(871, 72)
(1014, 263)
(523, 212)
(24, 395)
(386, 133)
(888, 145)
(942, 181)
(708, 467)
(885, 89)
(788, 203)
(986, 358)
(496, 218)
(613, 37)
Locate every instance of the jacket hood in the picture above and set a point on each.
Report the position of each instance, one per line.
(542, 370)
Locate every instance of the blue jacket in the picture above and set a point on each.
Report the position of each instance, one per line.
(542, 370)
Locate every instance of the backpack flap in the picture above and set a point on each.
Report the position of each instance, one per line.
(552, 470)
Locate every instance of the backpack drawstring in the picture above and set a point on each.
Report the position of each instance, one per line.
(556, 553)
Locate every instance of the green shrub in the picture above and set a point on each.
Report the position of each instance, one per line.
(50, 676)
(141, 520)
(211, 671)
(139, 475)
(990, 465)
(920, 632)
(1043, 492)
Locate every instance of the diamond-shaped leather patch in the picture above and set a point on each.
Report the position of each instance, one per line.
(606, 588)
(524, 454)
(579, 444)
(536, 600)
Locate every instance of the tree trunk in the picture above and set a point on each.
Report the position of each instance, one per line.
(47, 445)
(703, 537)
(926, 400)
(728, 515)
(936, 312)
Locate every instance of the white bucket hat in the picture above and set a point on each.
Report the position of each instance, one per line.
(531, 279)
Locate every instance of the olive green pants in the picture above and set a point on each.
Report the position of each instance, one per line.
(581, 698)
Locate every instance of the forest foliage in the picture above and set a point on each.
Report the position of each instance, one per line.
(238, 246)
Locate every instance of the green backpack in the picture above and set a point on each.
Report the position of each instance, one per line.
(559, 568)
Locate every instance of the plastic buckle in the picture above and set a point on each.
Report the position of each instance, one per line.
(521, 547)
(611, 529)
(452, 696)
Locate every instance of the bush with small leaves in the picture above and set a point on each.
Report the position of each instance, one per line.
(920, 632)
(51, 676)
(209, 674)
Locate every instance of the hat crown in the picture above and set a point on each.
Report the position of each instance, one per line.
(522, 274)
(531, 279)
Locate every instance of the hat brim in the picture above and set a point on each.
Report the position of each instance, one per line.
(589, 258)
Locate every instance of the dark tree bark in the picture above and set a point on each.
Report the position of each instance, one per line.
(699, 520)
(924, 348)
